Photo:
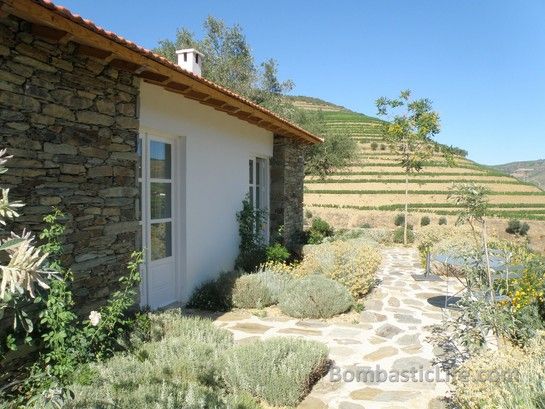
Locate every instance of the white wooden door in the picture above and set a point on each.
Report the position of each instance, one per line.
(158, 188)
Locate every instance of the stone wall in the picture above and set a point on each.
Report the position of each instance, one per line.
(287, 175)
(71, 124)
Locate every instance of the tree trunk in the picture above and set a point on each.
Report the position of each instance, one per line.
(406, 226)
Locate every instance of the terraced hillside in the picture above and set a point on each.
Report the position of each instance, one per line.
(375, 181)
(532, 171)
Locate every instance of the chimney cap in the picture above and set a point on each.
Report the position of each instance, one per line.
(189, 50)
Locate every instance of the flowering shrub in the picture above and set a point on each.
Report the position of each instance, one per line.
(350, 263)
(510, 378)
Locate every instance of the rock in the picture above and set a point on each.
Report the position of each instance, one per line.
(381, 353)
(300, 331)
(311, 324)
(411, 363)
(71, 169)
(312, 403)
(437, 403)
(369, 316)
(350, 405)
(388, 331)
(409, 339)
(406, 319)
(393, 302)
(251, 328)
(58, 111)
(60, 148)
(95, 118)
(373, 305)
(368, 393)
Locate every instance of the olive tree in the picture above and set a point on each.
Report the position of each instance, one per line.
(409, 128)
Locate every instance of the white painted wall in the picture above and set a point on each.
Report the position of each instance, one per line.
(217, 149)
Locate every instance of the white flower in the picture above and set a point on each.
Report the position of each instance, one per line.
(23, 271)
(94, 317)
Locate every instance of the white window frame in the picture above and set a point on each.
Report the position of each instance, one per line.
(264, 190)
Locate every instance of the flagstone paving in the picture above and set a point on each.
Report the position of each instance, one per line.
(391, 334)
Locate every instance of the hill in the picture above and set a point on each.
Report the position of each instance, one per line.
(375, 181)
(532, 171)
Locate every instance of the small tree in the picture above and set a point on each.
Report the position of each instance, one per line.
(409, 129)
(473, 200)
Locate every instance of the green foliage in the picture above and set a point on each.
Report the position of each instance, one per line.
(382, 147)
(399, 236)
(374, 146)
(251, 292)
(473, 201)
(443, 221)
(518, 228)
(399, 220)
(252, 250)
(338, 150)
(515, 379)
(425, 221)
(181, 367)
(277, 253)
(319, 230)
(216, 294)
(279, 371)
(315, 296)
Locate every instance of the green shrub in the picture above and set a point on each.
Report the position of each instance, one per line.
(352, 263)
(516, 227)
(215, 295)
(374, 146)
(308, 214)
(382, 147)
(399, 234)
(319, 230)
(251, 292)
(182, 367)
(366, 226)
(275, 281)
(315, 296)
(425, 221)
(399, 220)
(277, 253)
(280, 371)
(443, 221)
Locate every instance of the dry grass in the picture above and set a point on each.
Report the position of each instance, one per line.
(351, 218)
(494, 187)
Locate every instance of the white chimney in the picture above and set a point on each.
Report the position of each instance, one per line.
(191, 60)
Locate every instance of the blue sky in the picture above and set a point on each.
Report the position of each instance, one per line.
(482, 62)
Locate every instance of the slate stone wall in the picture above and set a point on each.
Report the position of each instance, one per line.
(71, 124)
(287, 176)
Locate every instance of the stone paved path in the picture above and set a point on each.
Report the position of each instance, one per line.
(391, 333)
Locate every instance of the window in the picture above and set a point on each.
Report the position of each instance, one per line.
(185, 57)
(258, 191)
(197, 58)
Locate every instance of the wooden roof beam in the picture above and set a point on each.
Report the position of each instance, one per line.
(49, 32)
(94, 52)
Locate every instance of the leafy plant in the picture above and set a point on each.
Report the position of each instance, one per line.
(315, 296)
(319, 230)
(277, 253)
(374, 146)
(425, 221)
(518, 228)
(216, 294)
(399, 220)
(443, 221)
(251, 292)
(400, 237)
(252, 250)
